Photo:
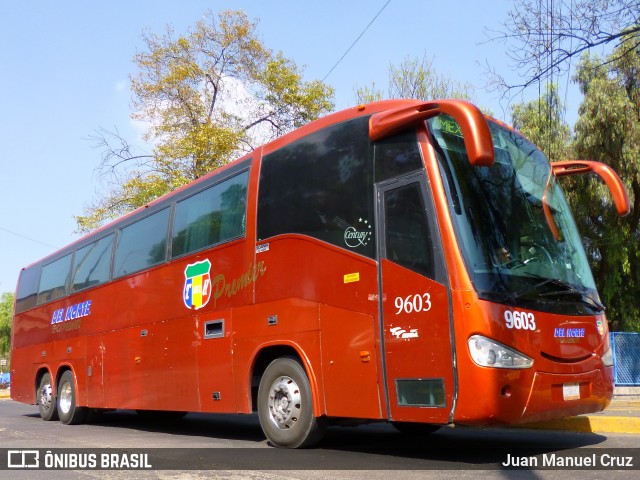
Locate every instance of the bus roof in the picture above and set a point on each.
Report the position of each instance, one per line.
(331, 119)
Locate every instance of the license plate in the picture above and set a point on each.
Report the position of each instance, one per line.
(571, 391)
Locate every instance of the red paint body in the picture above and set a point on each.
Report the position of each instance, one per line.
(141, 348)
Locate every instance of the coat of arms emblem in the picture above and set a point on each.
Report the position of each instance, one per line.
(197, 284)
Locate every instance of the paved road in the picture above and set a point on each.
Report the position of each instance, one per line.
(233, 447)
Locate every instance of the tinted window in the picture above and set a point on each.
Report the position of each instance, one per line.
(142, 244)
(54, 280)
(407, 237)
(397, 155)
(212, 216)
(27, 293)
(498, 213)
(321, 186)
(92, 264)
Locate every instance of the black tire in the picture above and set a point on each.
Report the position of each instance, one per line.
(415, 429)
(68, 410)
(46, 400)
(285, 406)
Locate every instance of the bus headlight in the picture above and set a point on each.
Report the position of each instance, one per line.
(488, 353)
(607, 358)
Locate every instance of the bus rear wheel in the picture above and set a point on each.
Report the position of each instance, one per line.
(46, 400)
(285, 406)
(68, 410)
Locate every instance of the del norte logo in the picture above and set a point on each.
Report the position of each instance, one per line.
(197, 284)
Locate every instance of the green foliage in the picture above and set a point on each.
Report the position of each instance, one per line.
(6, 314)
(416, 78)
(208, 96)
(607, 130)
(542, 122)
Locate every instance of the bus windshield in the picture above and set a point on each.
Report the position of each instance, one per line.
(510, 250)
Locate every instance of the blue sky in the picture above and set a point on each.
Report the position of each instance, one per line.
(65, 70)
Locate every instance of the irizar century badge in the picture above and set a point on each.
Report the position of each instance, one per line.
(358, 236)
(197, 285)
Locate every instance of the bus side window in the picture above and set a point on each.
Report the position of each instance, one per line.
(142, 244)
(54, 280)
(397, 155)
(27, 293)
(407, 236)
(210, 217)
(321, 186)
(92, 264)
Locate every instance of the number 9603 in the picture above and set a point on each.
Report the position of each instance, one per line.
(519, 320)
(413, 303)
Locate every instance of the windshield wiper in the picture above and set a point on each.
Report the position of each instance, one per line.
(572, 291)
(516, 295)
(565, 289)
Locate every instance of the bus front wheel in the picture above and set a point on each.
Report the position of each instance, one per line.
(46, 400)
(68, 410)
(285, 406)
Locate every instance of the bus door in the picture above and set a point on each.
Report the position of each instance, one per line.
(415, 322)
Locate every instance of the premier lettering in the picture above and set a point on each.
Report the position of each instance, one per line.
(222, 287)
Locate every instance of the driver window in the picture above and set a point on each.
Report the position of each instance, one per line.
(408, 240)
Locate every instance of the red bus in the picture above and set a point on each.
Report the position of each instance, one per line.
(403, 261)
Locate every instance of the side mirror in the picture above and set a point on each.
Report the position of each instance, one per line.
(580, 167)
(605, 172)
(475, 130)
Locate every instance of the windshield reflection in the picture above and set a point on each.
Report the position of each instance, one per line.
(512, 253)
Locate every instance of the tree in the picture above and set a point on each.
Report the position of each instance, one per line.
(543, 38)
(6, 315)
(415, 78)
(608, 129)
(542, 122)
(207, 96)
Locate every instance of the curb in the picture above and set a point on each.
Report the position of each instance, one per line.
(589, 424)
(621, 416)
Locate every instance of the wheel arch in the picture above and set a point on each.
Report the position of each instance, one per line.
(66, 367)
(61, 369)
(40, 372)
(268, 353)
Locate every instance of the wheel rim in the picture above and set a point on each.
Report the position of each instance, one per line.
(65, 397)
(46, 397)
(285, 402)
